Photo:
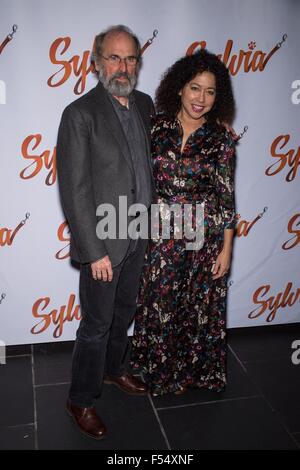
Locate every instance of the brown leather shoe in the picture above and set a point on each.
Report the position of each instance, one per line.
(127, 383)
(87, 420)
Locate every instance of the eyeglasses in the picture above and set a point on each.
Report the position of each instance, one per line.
(116, 60)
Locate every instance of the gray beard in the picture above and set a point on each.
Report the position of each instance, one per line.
(117, 88)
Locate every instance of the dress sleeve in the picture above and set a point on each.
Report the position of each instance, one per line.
(225, 170)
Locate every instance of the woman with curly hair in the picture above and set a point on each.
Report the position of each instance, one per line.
(180, 326)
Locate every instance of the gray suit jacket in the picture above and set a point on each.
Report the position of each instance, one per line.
(94, 167)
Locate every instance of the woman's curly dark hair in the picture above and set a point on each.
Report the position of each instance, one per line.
(167, 99)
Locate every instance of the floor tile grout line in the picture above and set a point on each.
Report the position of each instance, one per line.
(295, 439)
(18, 355)
(226, 400)
(17, 426)
(238, 359)
(291, 435)
(36, 446)
(277, 414)
(162, 429)
(260, 391)
(262, 395)
(52, 384)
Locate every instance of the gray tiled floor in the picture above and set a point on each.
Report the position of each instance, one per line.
(260, 408)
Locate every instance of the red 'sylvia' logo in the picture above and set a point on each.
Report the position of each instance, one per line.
(56, 317)
(289, 158)
(79, 66)
(39, 160)
(269, 305)
(293, 223)
(7, 235)
(63, 234)
(243, 227)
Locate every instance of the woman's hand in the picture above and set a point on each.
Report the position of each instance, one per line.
(230, 130)
(222, 264)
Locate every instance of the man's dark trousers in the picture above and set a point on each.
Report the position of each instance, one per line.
(108, 309)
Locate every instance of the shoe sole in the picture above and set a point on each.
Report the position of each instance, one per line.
(109, 382)
(84, 432)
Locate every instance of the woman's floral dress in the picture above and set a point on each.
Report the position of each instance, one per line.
(180, 326)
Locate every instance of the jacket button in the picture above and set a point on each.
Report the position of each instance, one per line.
(133, 191)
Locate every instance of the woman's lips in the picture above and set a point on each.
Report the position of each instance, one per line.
(197, 109)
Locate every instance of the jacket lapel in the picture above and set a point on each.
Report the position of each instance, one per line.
(145, 121)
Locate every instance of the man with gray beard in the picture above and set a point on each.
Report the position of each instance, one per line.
(103, 152)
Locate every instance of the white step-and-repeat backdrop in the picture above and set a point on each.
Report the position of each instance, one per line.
(45, 49)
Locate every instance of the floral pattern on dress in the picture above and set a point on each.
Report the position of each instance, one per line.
(179, 335)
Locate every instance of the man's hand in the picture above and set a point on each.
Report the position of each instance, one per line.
(102, 269)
